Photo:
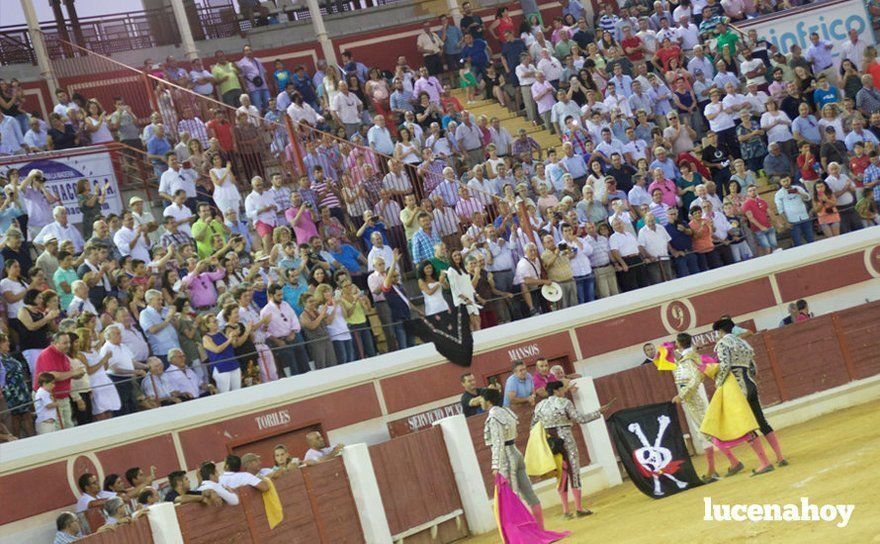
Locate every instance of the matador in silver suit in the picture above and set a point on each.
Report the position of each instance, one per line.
(499, 433)
(558, 414)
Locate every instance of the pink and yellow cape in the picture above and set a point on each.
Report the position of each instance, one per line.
(515, 523)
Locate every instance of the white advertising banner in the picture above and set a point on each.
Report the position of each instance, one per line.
(62, 173)
(831, 20)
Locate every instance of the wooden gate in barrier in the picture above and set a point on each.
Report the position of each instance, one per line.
(318, 508)
(418, 488)
(524, 414)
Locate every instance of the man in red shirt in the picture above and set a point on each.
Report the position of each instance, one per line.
(632, 45)
(758, 214)
(219, 128)
(54, 360)
(858, 163)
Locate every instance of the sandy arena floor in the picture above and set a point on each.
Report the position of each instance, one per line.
(832, 462)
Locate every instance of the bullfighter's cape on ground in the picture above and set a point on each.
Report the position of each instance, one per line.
(515, 522)
(649, 442)
(450, 332)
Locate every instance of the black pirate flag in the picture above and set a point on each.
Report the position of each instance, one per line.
(450, 332)
(649, 442)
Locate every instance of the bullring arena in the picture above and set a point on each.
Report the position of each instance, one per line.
(240, 219)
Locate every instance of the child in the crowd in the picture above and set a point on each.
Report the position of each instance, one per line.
(45, 405)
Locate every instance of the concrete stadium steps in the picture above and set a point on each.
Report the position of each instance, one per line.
(510, 121)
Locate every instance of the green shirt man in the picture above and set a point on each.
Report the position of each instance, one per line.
(203, 232)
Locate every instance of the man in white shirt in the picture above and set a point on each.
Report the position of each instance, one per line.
(318, 451)
(854, 49)
(35, 137)
(627, 255)
(91, 491)
(581, 269)
(261, 209)
(64, 105)
(181, 379)
(378, 249)
(183, 216)
(177, 177)
(60, 230)
(379, 137)
(347, 108)
(210, 477)
(131, 240)
(253, 114)
(155, 385)
(791, 202)
(527, 277)
(525, 73)
(655, 239)
(701, 62)
(122, 368)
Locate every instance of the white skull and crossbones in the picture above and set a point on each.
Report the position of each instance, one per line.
(654, 458)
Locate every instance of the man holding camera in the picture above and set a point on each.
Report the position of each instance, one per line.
(791, 203)
(557, 261)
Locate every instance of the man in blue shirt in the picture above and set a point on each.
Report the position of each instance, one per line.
(452, 39)
(477, 51)
(825, 93)
(347, 256)
(574, 163)
(159, 325)
(157, 147)
(805, 128)
(680, 245)
(424, 239)
(819, 55)
(519, 388)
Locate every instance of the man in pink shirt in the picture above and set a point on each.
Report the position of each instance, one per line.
(542, 377)
(427, 84)
(666, 186)
(200, 282)
(284, 333)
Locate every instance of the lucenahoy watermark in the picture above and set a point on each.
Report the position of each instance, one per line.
(779, 512)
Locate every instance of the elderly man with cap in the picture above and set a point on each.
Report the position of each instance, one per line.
(234, 476)
(155, 384)
(251, 463)
(47, 261)
(142, 216)
(61, 229)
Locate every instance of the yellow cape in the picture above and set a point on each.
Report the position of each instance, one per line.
(729, 416)
(272, 504)
(539, 459)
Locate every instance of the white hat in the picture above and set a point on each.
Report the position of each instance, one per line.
(552, 292)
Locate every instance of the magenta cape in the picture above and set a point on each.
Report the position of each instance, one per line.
(515, 522)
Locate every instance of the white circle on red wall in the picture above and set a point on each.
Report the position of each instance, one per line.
(872, 261)
(71, 466)
(678, 315)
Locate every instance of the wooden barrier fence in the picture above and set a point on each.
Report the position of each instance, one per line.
(136, 532)
(418, 487)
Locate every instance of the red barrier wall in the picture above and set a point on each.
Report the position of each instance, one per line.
(136, 532)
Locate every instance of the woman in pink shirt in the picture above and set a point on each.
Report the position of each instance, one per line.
(299, 215)
(666, 186)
